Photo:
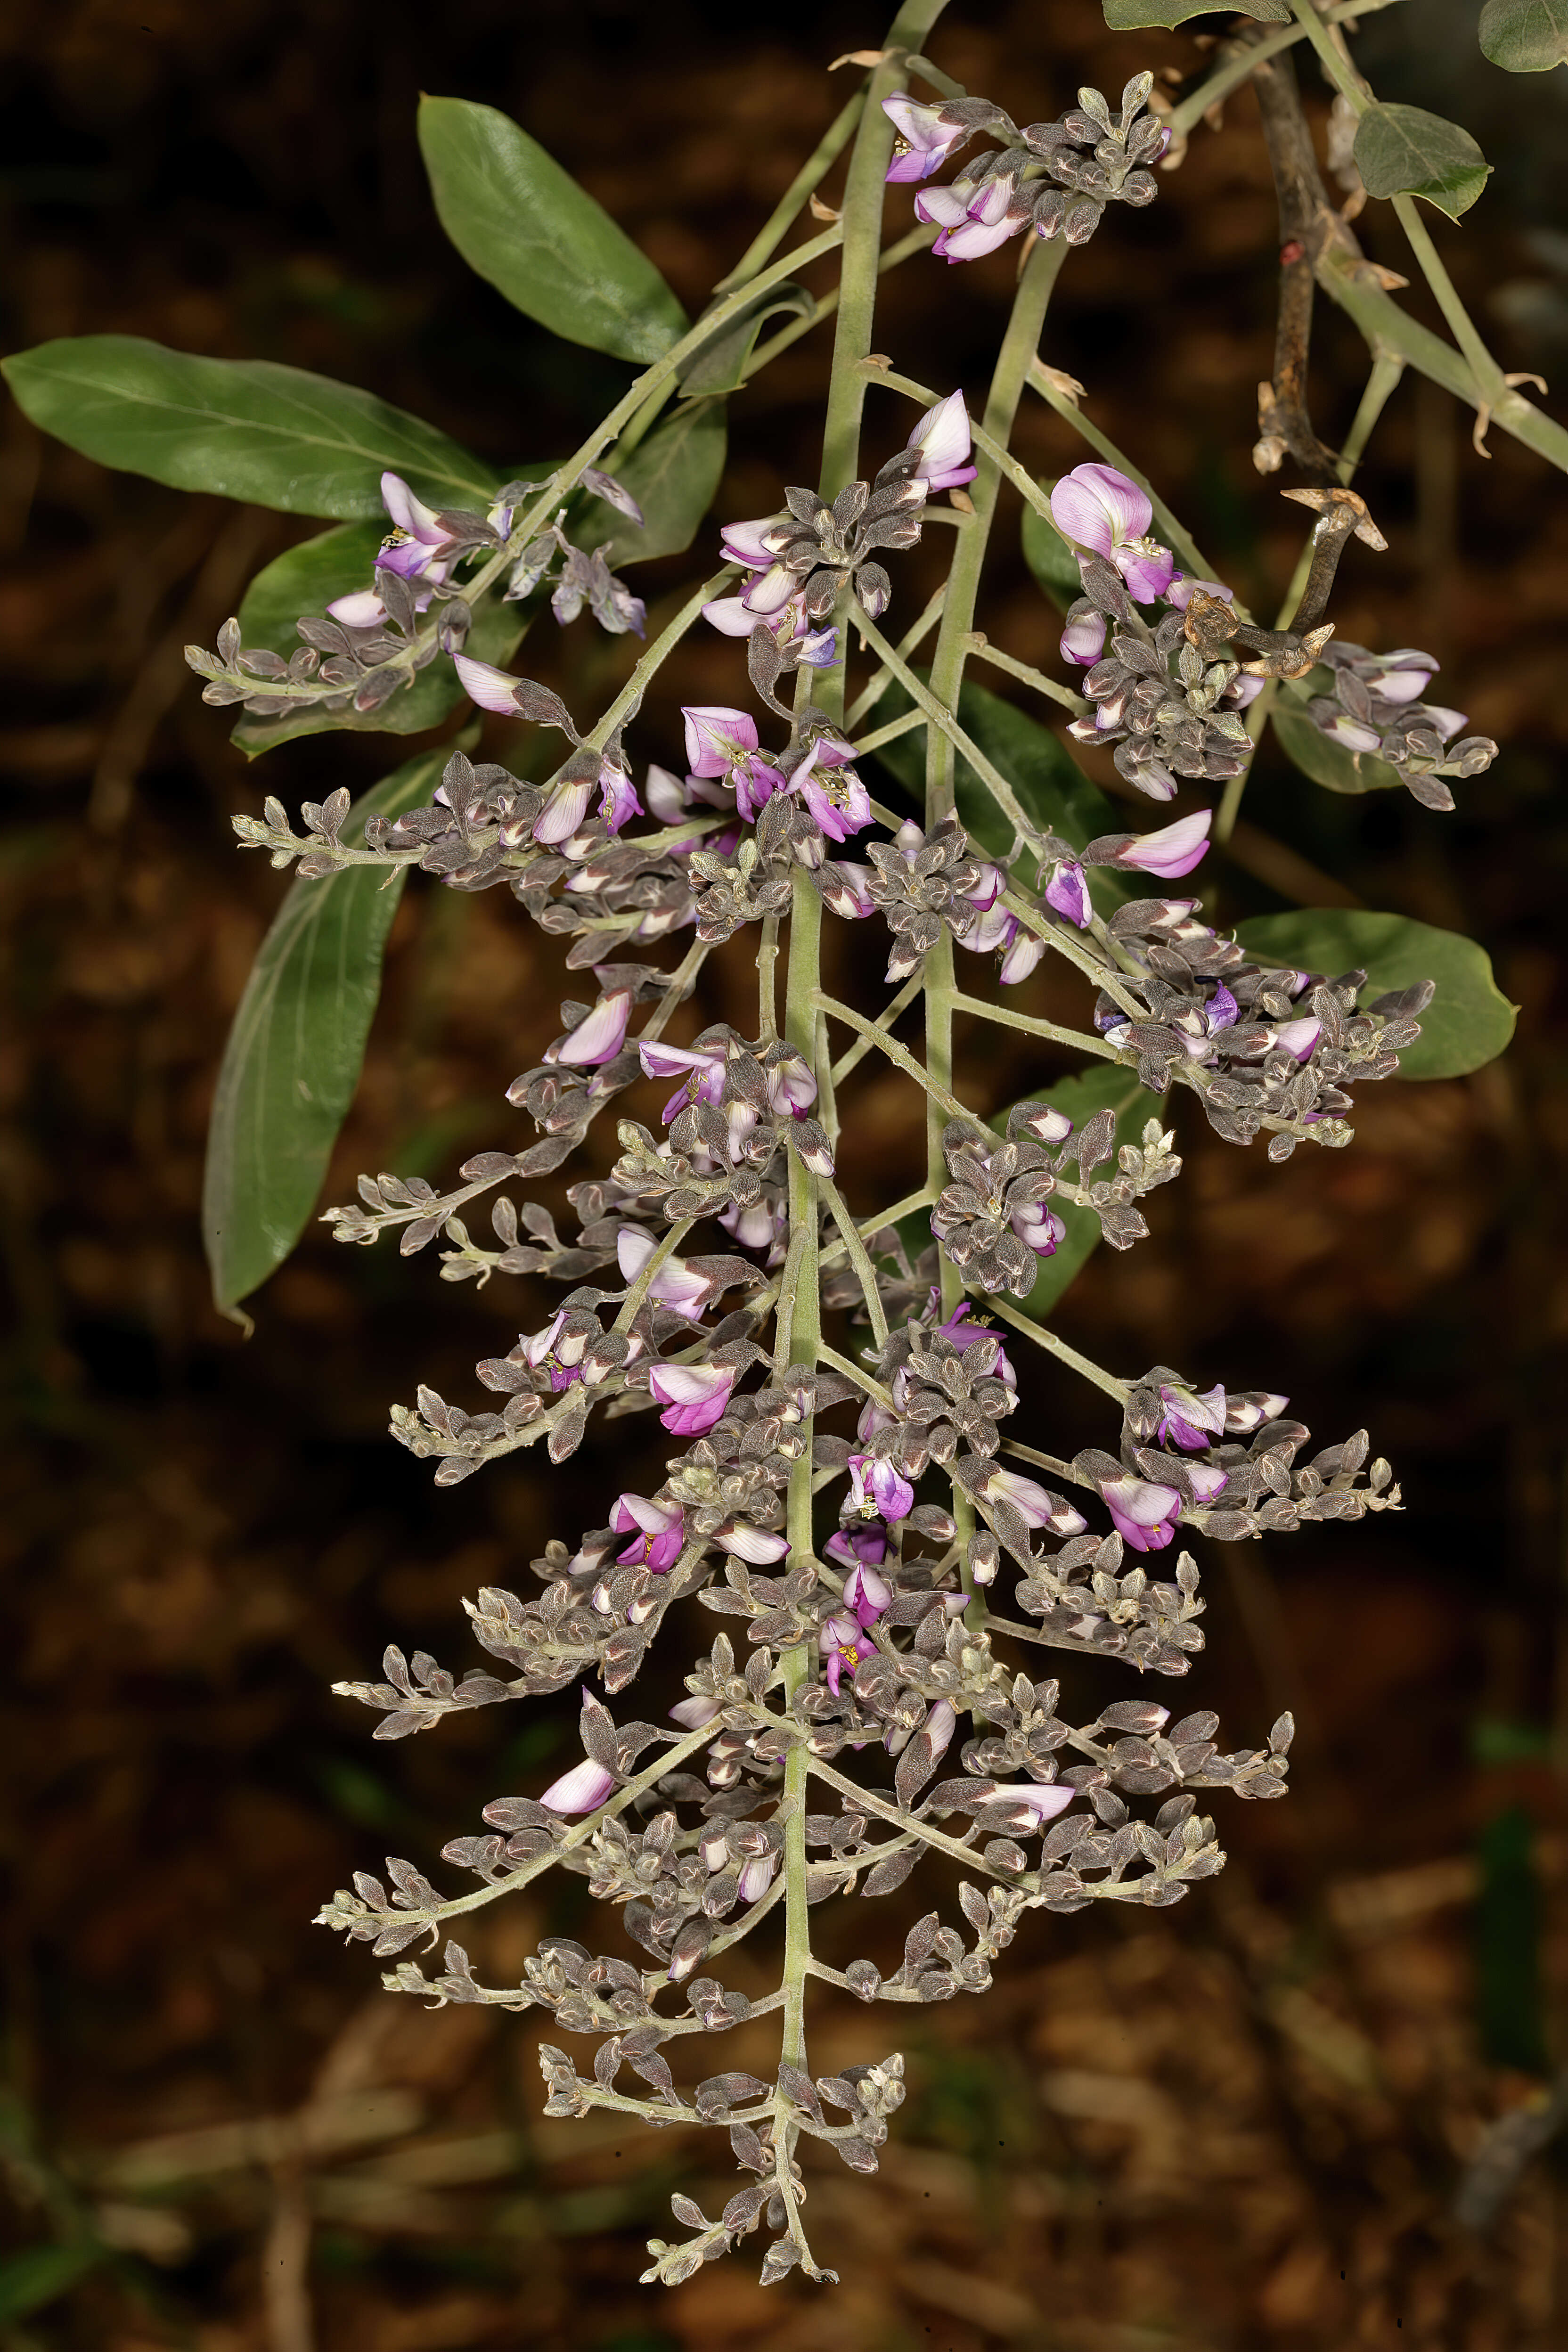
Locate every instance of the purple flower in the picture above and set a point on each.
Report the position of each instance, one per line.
(716, 737)
(1189, 1420)
(1298, 1038)
(617, 798)
(1144, 1515)
(1034, 1503)
(563, 1357)
(925, 139)
(862, 1546)
(694, 1394)
(584, 1789)
(723, 742)
(674, 1286)
(843, 1643)
(657, 1529)
(942, 438)
(1068, 893)
(792, 1089)
(412, 548)
(876, 1488)
(973, 220)
(867, 1592)
(1099, 509)
(599, 1037)
(1083, 639)
(748, 543)
(758, 1226)
(1039, 1227)
(1206, 1480)
(1175, 850)
(701, 1074)
(832, 790)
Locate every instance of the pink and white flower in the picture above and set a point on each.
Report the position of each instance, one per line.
(657, 1531)
(1102, 513)
(694, 1395)
(943, 439)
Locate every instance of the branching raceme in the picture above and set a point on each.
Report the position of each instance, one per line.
(844, 1488)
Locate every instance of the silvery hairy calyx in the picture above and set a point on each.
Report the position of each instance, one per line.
(852, 1537)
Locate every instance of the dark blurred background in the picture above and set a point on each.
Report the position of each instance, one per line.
(1242, 2124)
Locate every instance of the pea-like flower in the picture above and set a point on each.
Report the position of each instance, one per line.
(694, 1395)
(925, 141)
(876, 1490)
(657, 1531)
(598, 1037)
(1102, 513)
(942, 437)
(845, 1646)
(1143, 1512)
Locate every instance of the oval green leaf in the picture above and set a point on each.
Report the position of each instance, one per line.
(250, 429)
(1049, 558)
(1140, 15)
(294, 1054)
(1468, 1023)
(674, 477)
(1329, 763)
(1525, 35)
(1404, 151)
(1108, 1087)
(523, 222)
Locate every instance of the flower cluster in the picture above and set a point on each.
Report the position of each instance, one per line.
(1268, 1048)
(1166, 706)
(368, 646)
(1374, 703)
(800, 562)
(1052, 178)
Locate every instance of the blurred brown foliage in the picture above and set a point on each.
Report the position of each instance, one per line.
(1241, 2127)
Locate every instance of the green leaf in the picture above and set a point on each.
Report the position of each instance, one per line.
(1329, 763)
(720, 365)
(523, 222)
(294, 1055)
(37, 2275)
(1468, 1023)
(1139, 16)
(1404, 151)
(244, 429)
(1525, 35)
(674, 477)
(305, 579)
(1106, 1086)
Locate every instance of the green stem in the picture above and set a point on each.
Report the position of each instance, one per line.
(980, 646)
(1048, 1340)
(1033, 1026)
(918, 240)
(1171, 530)
(885, 1020)
(1238, 67)
(814, 169)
